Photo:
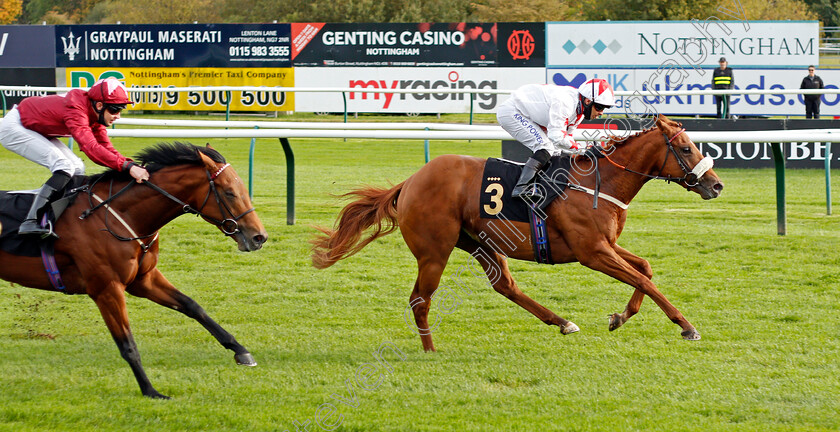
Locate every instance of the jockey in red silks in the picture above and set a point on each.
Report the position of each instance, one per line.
(31, 130)
(543, 117)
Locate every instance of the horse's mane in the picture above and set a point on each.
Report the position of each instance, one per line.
(163, 155)
(614, 140)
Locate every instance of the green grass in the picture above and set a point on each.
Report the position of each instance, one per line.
(766, 306)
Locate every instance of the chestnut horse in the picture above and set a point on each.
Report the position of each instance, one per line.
(437, 210)
(108, 244)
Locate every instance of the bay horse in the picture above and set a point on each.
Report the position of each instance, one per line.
(437, 210)
(108, 246)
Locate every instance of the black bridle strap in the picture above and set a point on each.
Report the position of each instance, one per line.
(670, 150)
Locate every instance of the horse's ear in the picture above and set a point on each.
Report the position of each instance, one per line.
(208, 163)
(208, 146)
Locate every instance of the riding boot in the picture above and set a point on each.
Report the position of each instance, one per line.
(529, 171)
(30, 225)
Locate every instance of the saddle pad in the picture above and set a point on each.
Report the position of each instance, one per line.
(500, 178)
(13, 209)
(14, 205)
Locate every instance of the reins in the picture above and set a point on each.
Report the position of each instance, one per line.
(691, 177)
(228, 225)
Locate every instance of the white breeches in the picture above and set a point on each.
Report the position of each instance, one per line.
(50, 153)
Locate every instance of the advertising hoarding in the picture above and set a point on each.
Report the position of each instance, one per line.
(174, 45)
(17, 42)
(521, 44)
(34, 77)
(409, 78)
(198, 100)
(394, 45)
(700, 79)
(634, 44)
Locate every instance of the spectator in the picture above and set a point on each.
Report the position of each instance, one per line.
(812, 101)
(723, 79)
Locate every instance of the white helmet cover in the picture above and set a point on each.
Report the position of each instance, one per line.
(599, 91)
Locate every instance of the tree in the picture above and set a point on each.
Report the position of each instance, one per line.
(159, 11)
(647, 10)
(10, 10)
(525, 10)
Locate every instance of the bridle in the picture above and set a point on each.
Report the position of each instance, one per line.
(691, 177)
(229, 225)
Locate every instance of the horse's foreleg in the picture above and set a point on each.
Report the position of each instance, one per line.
(606, 260)
(155, 287)
(111, 303)
(642, 266)
(498, 273)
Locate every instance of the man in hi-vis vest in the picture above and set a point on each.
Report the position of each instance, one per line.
(723, 79)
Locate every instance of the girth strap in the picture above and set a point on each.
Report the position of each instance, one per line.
(539, 239)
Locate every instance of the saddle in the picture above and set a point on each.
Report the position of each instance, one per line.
(500, 177)
(14, 205)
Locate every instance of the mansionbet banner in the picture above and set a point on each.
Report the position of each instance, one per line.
(364, 79)
(394, 45)
(700, 79)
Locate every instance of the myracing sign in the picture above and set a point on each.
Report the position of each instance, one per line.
(163, 78)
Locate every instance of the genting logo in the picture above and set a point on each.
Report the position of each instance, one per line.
(520, 44)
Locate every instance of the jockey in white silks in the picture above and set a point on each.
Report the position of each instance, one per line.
(543, 117)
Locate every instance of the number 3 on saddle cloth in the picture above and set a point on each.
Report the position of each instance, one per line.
(13, 208)
(500, 177)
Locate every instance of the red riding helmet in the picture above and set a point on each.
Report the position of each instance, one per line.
(109, 91)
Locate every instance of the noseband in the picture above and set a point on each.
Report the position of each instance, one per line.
(691, 177)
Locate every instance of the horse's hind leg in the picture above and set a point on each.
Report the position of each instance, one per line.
(155, 287)
(111, 303)
(642, 266)
(498, 273)
(428, 279)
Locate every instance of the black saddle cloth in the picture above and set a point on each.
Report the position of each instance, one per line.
(500, 178)
(14, 205)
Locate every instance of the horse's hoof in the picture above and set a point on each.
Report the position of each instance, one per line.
(692, 334)
(245, 359)
(570, 328)
(156, 395)
(616, 321)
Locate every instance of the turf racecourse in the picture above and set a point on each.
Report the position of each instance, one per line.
(765, 305)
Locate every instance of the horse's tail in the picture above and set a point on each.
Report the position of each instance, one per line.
(375, 207)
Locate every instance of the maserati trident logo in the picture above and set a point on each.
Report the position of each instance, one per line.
(71, 48)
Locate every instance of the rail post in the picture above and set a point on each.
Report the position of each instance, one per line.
(290, 181)
(779, 160)
(828, 178)
(251, 166)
